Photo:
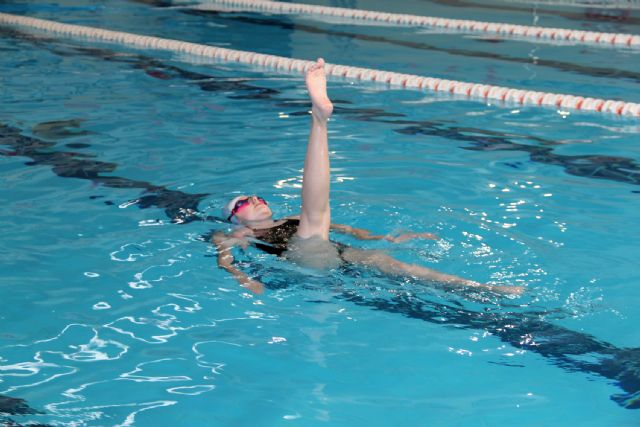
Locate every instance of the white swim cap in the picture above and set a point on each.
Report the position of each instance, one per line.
(226, 211)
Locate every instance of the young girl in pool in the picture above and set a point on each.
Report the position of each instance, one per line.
(304, 239)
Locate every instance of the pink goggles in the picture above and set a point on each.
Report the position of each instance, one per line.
(242, 203)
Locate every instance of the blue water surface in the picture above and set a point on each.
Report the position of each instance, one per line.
(113, 311)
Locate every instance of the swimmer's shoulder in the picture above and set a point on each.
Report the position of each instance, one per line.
(240, 232)
(220, 237)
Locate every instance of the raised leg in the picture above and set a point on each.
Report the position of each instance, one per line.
(393, 267)
(315, 215)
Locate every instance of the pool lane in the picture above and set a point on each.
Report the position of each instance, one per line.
(570, 350)
(592, 166)
(522, 330)
(580, 70)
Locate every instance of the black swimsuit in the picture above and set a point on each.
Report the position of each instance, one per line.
(276, 238)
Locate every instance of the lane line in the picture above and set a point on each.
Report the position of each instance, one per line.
(460, 25)
(465, 89)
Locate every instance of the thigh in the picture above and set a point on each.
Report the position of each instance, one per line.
(362, 256)
(378, 260)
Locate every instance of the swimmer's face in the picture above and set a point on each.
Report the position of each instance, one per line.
(251, 208)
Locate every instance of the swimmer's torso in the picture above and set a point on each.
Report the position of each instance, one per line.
(313, 252)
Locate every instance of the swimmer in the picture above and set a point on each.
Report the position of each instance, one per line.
(304, 239)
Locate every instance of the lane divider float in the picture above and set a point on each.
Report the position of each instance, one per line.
(505, 30)
(588, 4)
(409, 81)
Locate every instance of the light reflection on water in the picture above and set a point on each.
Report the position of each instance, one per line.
(116, 322)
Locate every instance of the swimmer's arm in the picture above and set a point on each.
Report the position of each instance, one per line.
(224, 245)
(359, 233)
(363, 234)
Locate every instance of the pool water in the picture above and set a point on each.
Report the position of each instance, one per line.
(115, 163)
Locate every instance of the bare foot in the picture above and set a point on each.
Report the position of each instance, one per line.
(501, 290)
(317, 86)
(254, 286)
(506, 290)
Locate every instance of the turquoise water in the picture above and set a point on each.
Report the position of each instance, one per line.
(112, 314)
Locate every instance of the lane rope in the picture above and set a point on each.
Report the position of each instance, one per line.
(505, 30)
(588, 4)
(465, 89)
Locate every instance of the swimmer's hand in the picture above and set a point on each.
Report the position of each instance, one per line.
(496, 289)
(252, 285)
(224, 245)
(363, 234)
(409, 236)
(238, 241)
(507, 290)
